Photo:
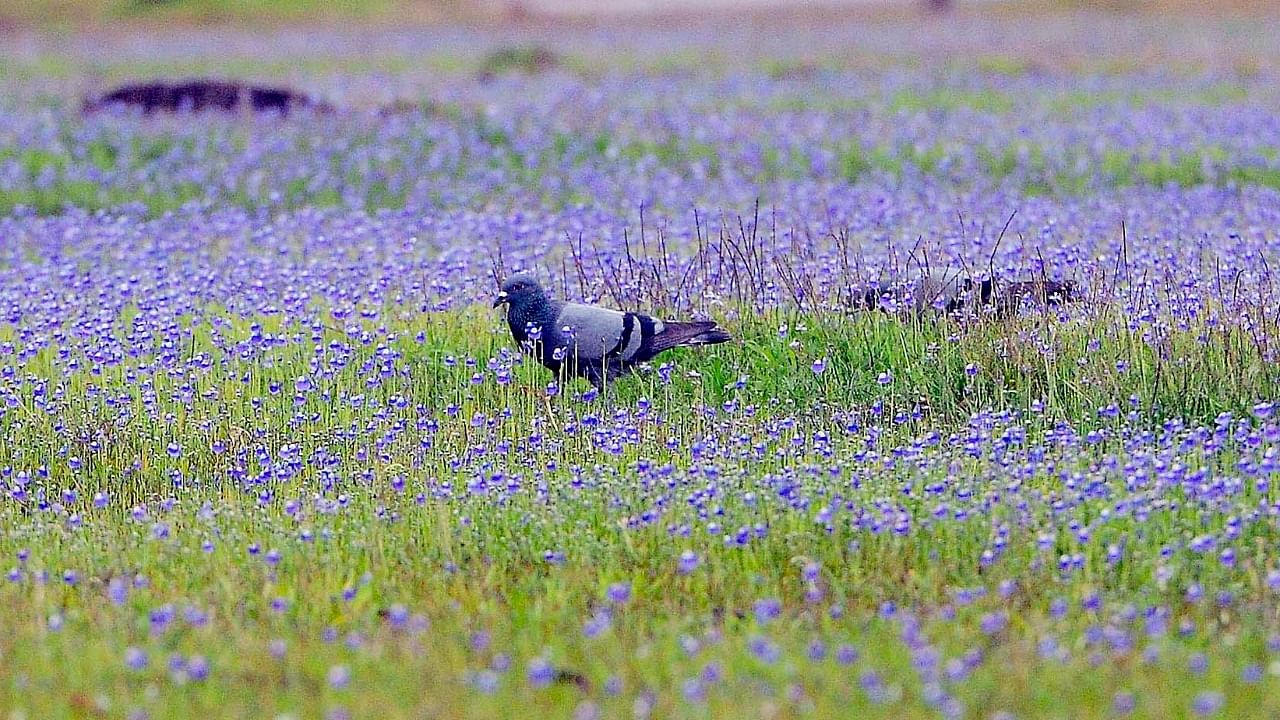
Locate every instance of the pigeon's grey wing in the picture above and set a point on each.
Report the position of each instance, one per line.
(597, 332)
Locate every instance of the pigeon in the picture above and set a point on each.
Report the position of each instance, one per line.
(953, 294)
(1006, 298)
(589, 341)
(920, 294)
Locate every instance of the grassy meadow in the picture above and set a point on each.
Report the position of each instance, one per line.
(419, 547)
(266, 450)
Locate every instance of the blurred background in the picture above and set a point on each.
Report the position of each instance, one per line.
(79, 14)
(80, 47)
(741, 96)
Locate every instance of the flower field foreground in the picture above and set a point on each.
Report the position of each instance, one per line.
(266, 451)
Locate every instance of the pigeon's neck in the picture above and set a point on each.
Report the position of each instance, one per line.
(540, 312)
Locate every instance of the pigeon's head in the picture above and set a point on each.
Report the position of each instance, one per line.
(519, 290)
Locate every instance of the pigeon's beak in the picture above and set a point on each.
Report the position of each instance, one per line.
(501, 299)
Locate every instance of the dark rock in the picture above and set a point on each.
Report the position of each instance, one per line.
(205, 96)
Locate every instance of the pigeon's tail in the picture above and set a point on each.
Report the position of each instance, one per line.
(683, 334)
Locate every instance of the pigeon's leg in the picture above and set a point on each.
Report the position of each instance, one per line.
(595, 376)
(612, 371)
(551, 413)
